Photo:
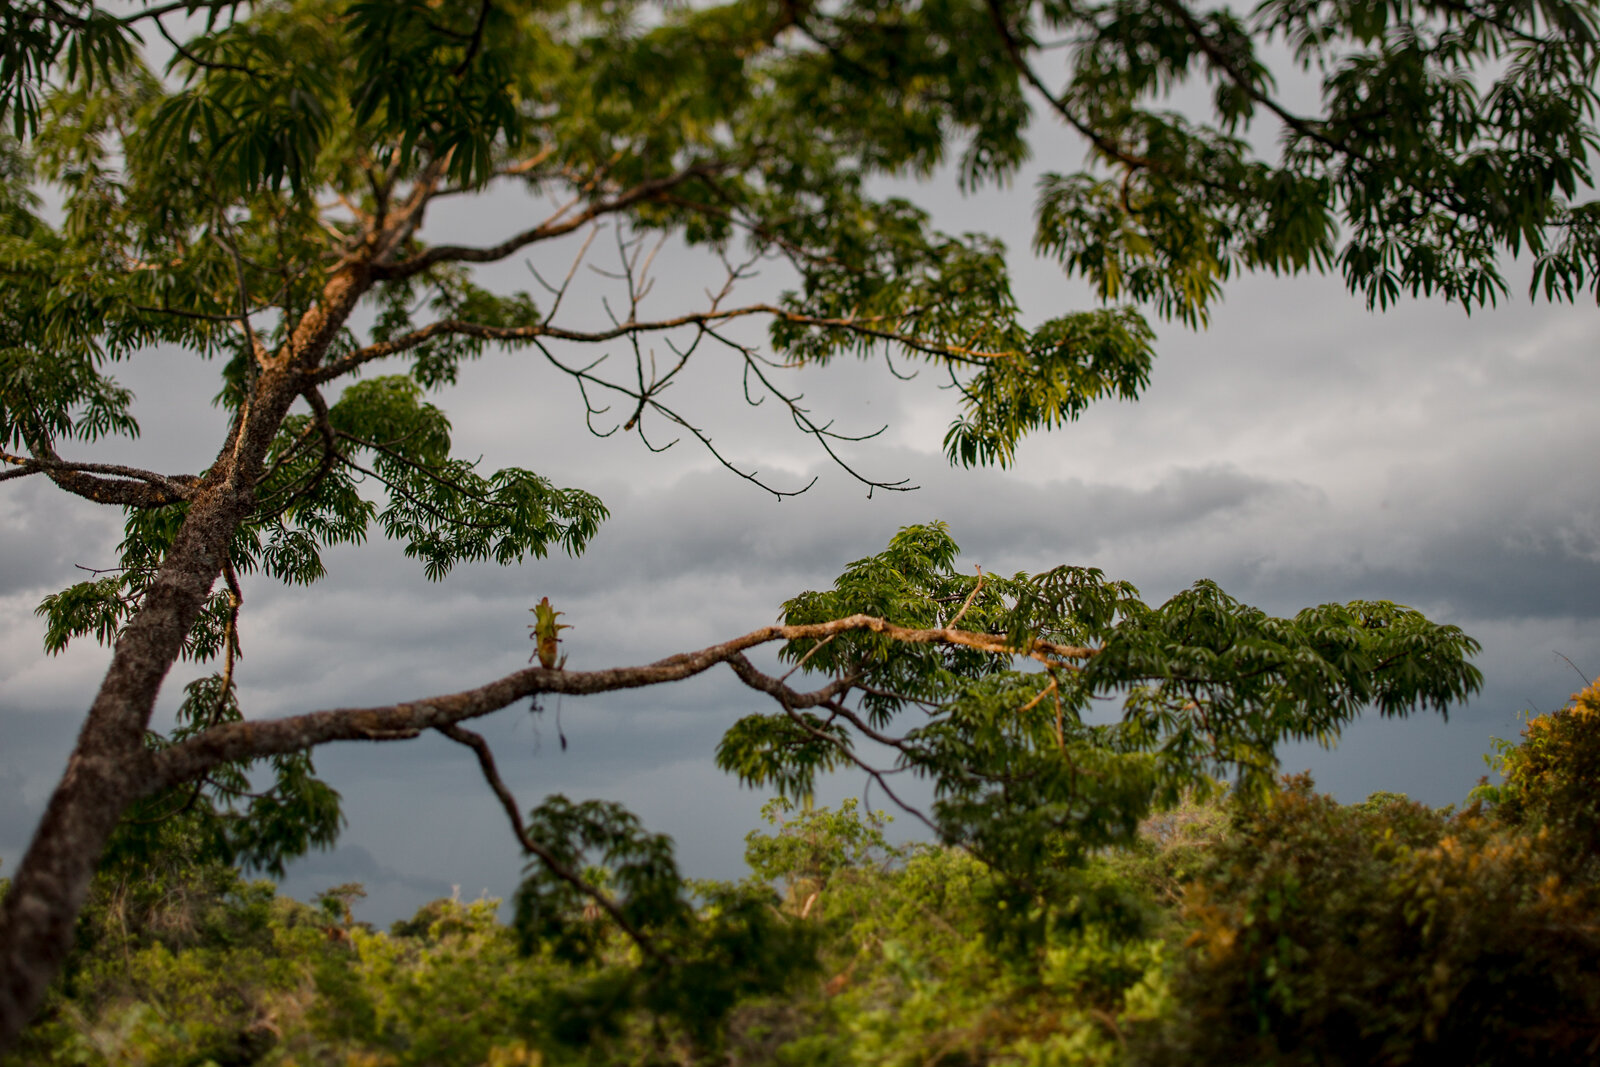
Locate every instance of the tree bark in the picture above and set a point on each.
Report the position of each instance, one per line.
(110, 767)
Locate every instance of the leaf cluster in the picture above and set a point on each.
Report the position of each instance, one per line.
(256, 815)
(699, 959)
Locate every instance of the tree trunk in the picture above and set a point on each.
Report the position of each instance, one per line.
(110, 767)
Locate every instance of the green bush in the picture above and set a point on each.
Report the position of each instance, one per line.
(1550, 781)
(1234, 930)
(1383, 933)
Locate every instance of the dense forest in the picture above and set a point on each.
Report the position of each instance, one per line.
(1283, 929)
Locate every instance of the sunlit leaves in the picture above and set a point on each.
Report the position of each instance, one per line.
(1068, 364)
(96, 607)
(1022, 761)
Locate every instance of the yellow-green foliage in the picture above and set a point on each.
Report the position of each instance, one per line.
(912, 971)
(1291, 930)
(1551, 778)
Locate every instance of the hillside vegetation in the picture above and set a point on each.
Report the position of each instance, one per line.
(1290, 930)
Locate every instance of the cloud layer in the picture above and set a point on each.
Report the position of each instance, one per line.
(1302, 450)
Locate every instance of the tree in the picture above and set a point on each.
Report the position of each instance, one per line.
(262, 201)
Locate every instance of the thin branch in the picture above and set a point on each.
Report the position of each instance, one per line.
(304, 483)
(52, 13)
(566, 283)
(1013, 48)
(552, 862)
(183, 313)
(543, 232)
(967, 603)
(812, 651)
(188, 7)
(700, 435)
(866, 327)
(412, 498)
(475, 42)
(804, 422)
(203, 64)
(872, 772)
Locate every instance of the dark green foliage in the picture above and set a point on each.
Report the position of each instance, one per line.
(1383, 933)
(639, 869)
(699, 959)
(257, 815)
(241, 206)
(1280, 931)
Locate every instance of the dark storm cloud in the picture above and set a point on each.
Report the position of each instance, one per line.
(1301, 451)
(708, 524)
(17, 815)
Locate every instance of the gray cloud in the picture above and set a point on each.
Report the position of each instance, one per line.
(1302, 450)
(48, 533)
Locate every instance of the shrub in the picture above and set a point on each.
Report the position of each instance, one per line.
(1383, 933)
(1550, 781)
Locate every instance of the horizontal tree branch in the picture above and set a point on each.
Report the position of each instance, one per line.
(127, 486)
(246, 740)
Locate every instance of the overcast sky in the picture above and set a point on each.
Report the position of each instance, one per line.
(1300, 450)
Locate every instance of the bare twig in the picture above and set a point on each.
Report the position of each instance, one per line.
(1581, 673)
(967, 603)
(545, 230)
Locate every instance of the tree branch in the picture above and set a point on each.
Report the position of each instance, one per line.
(535, 848)
(476, 41)
(132, 486)
(1013, 49)
(865, 327)
(543, 232)
(235, 741)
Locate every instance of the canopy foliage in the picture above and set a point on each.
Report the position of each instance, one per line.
(1231, 930)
